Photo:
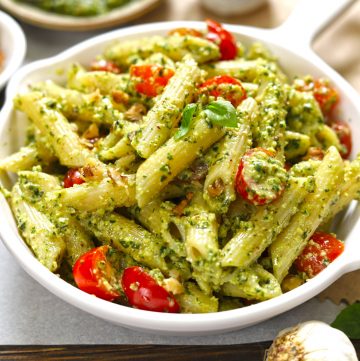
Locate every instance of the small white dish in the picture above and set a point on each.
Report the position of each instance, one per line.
(232, 7)
(12, 46)
(38, 17)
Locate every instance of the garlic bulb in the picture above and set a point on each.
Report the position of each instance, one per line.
(311, 341)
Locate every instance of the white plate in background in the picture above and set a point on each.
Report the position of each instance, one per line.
(38, 17)
(12, 45)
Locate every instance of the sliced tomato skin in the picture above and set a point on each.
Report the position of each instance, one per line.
(326, 96)
(244, 185)
(105, 65)
(322, 249)
(150, 79)
(72, 177)
(343, 131)
(212, 86)
(143, 292)
(92, 273)
(225, 40)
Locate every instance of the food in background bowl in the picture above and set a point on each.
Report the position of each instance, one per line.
(78, 7)
(163, 177)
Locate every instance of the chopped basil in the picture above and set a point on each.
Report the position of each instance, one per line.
(187, 117)
(221, 112)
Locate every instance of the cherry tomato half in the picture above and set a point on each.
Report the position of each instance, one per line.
(105, 65)
(261, 178)
(145, 293)
(326, 96)
(343, 131)
(224, 39)
(72, 177)
(150, 79)
(94, 274)
(321, 250)
(225, 86)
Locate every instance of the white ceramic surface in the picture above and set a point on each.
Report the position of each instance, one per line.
(297, 58)
(13, 46)
(232, 7)
(45, 19)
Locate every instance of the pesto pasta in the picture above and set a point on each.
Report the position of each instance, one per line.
(177, 167)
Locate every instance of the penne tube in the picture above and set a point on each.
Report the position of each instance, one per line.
(163, 166)
(164, 116)
(348, 190)
(126, 236)
(219, 186)
(37, 188)
(78, 106)
(248, 244)
(193, 300)
(270, 132)
(92, 81)
(38, 231)
(106, 194)
(202, 248)
(253, 283)
(24, 158)
(54, 126)
(175, 47)
(251, 71)
(291, 241)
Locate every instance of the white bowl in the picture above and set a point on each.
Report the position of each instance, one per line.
(296, 61)
(13, 46)
(45, 19)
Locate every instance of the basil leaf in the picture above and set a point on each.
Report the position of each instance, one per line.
(222, 112)
(348, 321)
(187, 117)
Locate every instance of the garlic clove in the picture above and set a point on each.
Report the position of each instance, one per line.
(311, 341)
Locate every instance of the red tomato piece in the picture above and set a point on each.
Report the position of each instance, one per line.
(94, 274)
(225, 86)
(320, 251)
(326, 96)
(225, 40)
(150, 79)
(186, 31)
(343, 131)
(72, 177)
(145, 293)
(105, 65)
(261, 178)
